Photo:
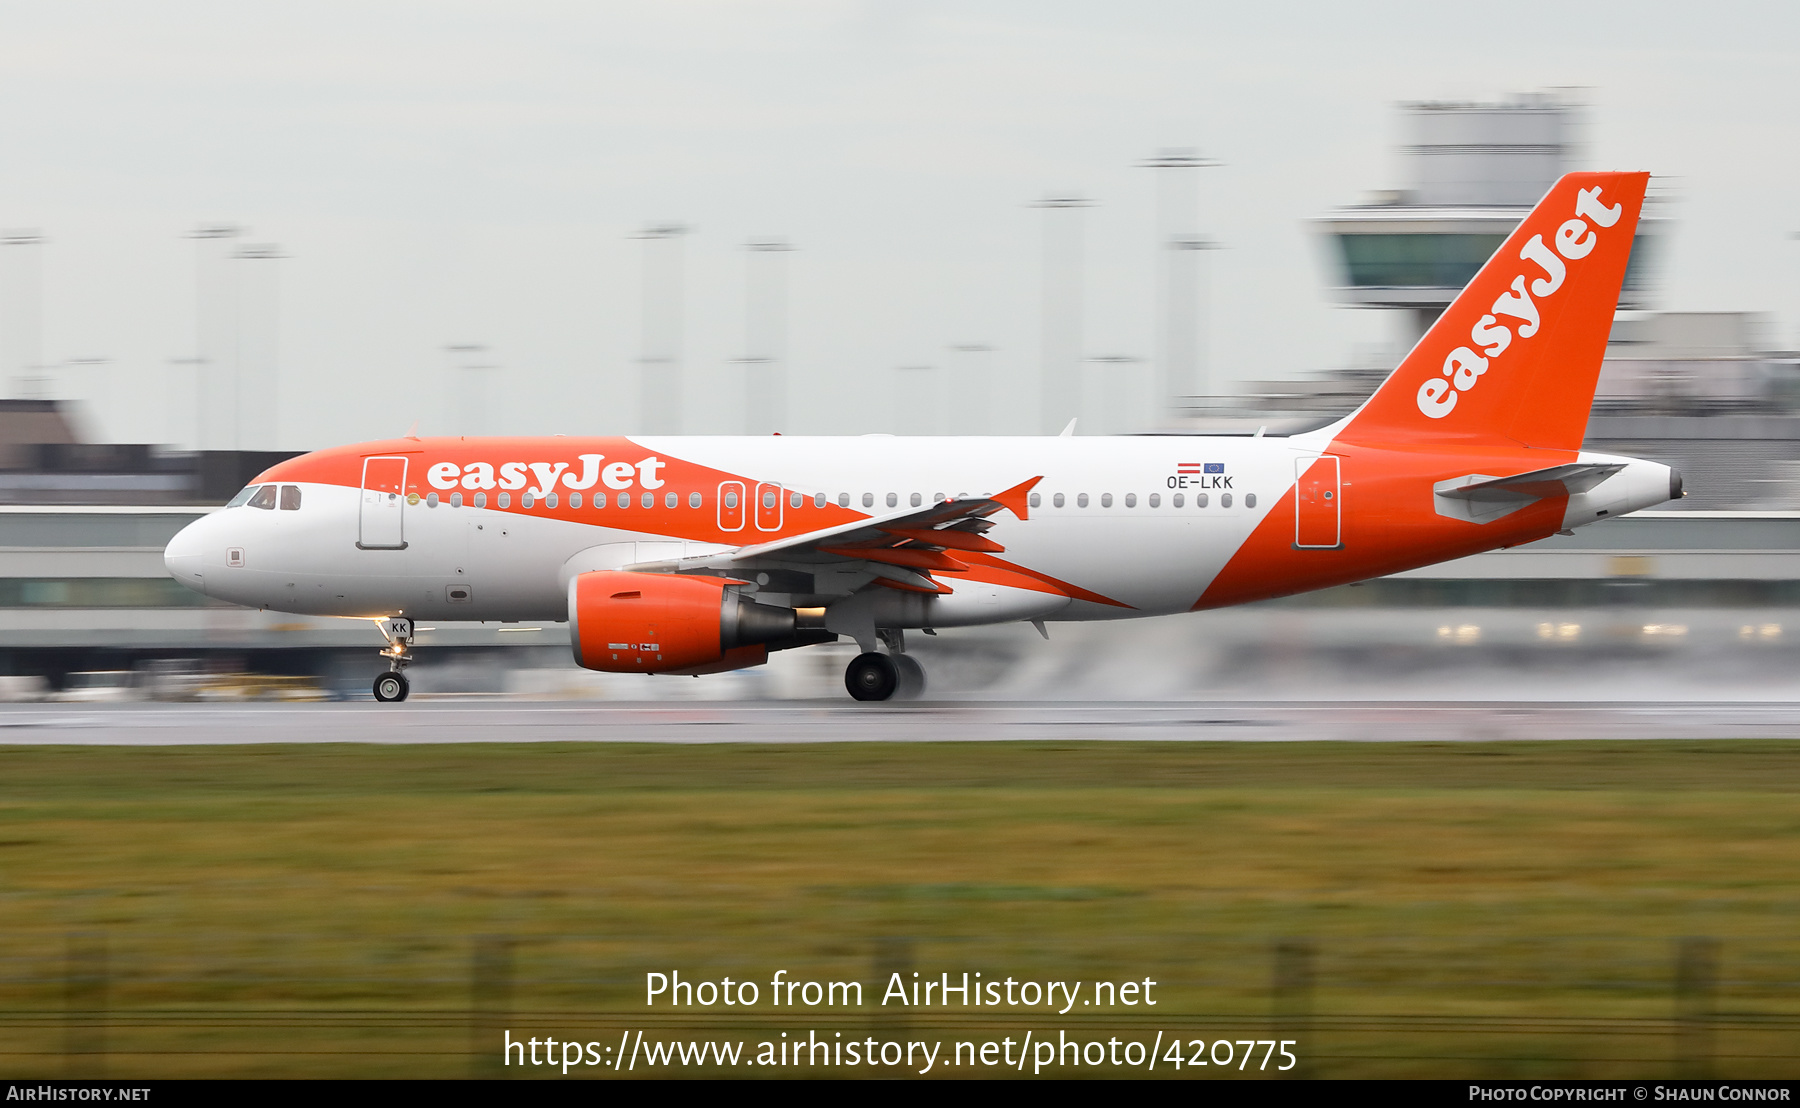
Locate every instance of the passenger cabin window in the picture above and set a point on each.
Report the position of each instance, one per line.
(243, 497)
(731, 500)
(1057, 500)
(693, 500)
(264, 498)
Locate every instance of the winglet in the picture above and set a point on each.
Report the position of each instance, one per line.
(1014, 499)
(413, 431)
(1069, 431)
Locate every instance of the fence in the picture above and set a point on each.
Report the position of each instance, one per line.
(146, 1004)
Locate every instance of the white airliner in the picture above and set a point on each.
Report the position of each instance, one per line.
(698, 555)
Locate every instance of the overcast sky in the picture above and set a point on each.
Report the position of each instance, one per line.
(455, 172)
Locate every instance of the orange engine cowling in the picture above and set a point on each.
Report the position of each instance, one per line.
(623, 622)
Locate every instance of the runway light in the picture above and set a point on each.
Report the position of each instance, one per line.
(1665, 630)
(1768, 632)
(1559, 632)
(1464, 633)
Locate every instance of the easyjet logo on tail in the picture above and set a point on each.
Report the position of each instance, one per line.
(1520, 305)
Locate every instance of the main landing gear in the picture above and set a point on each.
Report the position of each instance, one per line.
(393, 685)
(875, 676)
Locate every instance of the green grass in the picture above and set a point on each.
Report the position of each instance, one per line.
(1476, 909)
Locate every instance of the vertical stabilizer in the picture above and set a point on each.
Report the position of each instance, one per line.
(1517, 355)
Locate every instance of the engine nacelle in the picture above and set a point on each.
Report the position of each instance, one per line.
(622, 622)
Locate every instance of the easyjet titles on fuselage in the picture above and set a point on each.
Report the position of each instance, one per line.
(517, 475)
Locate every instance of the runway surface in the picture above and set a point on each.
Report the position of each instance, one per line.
(466, 721)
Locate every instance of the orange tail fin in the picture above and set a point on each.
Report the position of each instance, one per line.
(1517, 355)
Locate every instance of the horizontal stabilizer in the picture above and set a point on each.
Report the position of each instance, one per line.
(1563, 480)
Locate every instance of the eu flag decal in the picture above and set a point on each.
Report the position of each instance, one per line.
(1215, 467)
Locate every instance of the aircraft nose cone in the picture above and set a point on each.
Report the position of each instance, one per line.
(184, 556)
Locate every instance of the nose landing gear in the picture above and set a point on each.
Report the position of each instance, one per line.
(393, 685)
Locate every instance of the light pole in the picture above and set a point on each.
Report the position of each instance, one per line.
(21, 312)
(1115, 399)
(1060, 384)
(969, 391)
(1181, 348)
(257, 421)
(215, 338)
(765, 335)
(659, 362)
(476, 410)
(184, 386)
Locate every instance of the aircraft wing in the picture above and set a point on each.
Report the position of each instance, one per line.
(902, 548)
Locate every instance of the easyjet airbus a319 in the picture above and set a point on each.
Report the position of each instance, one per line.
(698, 555)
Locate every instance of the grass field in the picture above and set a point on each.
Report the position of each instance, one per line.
(1443, 910)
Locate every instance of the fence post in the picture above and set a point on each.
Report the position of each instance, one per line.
(84, 1005)
(893, 954)
(490, 1004)
(1291, 1001)
(1696, 999)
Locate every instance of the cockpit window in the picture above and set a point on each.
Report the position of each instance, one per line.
(243, 497)
(264, 498)
(290, 498)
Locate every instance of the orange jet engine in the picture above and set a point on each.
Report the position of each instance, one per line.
(622, 622)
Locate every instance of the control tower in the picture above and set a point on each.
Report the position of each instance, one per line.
(1473, 172)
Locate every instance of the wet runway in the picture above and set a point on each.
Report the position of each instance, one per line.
(511, 721)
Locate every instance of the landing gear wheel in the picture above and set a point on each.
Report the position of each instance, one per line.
(872, 676)
(912, 677)
(392, 686)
